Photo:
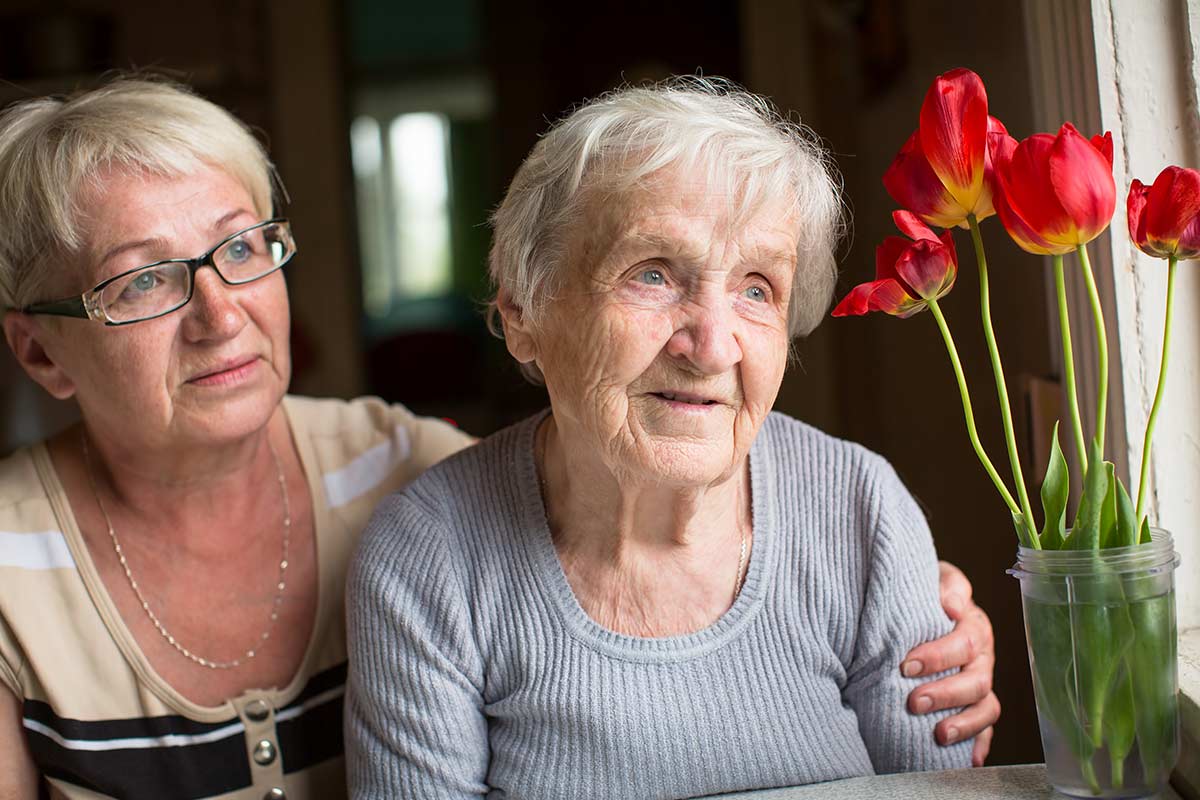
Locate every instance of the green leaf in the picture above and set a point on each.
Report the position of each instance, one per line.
(1085, 532)
(1055, 489)
(1108, 510)
(1127, 528)
(1119, 724)
(1144, 538)
(1151, 663)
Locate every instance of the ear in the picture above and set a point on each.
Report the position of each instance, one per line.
(27, 338)
(518, 334)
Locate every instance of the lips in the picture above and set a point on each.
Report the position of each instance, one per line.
(231, 365)
(685, 397)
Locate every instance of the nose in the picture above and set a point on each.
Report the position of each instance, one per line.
(213, 313)
(707, 339)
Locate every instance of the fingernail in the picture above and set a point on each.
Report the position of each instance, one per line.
(911, 668)
(951, 735)
(924, 703)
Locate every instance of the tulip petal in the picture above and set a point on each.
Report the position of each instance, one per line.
(1083, 182)
(1172, 206)
(912, 226)
(1029, 193)
(1135, 210)
(856, 303)
(1105, 146)
(914, 185)
(953, 131)
(996, 131)
(890, 297)
(1025, 237)
(885, 295)
(887, 254)
(928, 268)
(947, 240)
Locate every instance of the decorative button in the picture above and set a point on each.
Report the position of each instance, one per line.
(264, 752)
(257, 710)
(275, 794)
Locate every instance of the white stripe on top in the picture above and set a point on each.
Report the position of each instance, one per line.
(137, 742)
(368, 470)
(44, 550)
(176, 739)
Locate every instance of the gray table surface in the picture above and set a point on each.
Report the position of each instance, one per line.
(1026, 782)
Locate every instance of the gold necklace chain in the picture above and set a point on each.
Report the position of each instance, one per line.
(133, 584)
(737, 584)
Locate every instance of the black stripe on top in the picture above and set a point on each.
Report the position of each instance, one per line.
(186, 770)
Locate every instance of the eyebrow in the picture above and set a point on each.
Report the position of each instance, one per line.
(674, 245)
(161, 242)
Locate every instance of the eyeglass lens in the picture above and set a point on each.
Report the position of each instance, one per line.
(158, 288)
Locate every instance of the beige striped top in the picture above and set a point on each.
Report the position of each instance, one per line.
(99, 720)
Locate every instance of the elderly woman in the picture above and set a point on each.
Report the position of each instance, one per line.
(172, 568)
(658, 588)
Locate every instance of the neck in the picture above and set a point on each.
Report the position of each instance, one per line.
(174, 486)
(633, 526)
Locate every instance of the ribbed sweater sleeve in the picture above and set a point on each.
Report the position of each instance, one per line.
(900, 607)
(422, 731)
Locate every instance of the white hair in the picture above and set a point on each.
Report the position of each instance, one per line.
(52, 149)
(616, 142)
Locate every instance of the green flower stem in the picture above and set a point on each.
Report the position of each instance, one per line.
(1158, 393)
(969, 414)
(1101, 344)
(1010, 437)
(1064, 324)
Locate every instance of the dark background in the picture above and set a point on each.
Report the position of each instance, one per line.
(856, 71)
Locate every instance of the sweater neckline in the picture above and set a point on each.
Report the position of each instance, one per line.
(553, 583)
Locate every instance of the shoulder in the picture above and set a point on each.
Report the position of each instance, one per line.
(462, 505)
(365, 448)
(840, 488)
(360, 424)
(19, 481)
(797, 445)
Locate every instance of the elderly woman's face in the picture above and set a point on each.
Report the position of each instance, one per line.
(212, 370)
(667, 349)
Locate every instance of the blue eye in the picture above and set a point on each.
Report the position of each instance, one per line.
(144, 282)
(756, 293)
(238, 251)
(653, 277)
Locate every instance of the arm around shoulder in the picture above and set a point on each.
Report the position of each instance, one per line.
(414, 713)
(901, 608)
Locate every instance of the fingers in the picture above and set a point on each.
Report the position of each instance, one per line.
(983, 745)
(964, 688)
(971, 638)
(956, 591)
(971, 721)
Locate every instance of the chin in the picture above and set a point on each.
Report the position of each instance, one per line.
(690, 463)
(232, 418)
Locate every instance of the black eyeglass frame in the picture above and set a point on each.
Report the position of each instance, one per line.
(87, 305)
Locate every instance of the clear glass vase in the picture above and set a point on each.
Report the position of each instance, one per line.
(1100, 625)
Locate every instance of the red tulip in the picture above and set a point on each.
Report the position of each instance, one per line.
(908, 272)
(1057, 191)
(943, 172)
(1164, 219)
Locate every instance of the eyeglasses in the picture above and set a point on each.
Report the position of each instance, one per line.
(165, 286)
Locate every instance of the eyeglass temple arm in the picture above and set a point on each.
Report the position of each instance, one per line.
(71, 307)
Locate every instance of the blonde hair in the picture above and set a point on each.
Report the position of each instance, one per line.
(52, 149)
(614, 143)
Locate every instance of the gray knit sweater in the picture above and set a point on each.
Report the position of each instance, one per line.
(474, 671)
